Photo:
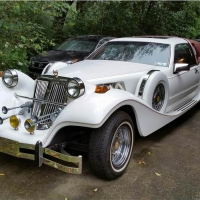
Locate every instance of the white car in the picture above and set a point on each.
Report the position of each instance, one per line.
(128, 85)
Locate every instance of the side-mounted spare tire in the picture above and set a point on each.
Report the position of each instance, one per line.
(153, 88)
(110, 146)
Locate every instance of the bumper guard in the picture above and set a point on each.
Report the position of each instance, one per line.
(42, 155)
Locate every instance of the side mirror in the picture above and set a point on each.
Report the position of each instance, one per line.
(179, 67)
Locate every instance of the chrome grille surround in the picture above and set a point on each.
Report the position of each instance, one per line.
(50, 89)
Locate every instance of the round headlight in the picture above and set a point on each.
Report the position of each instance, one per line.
(15, 121)
(75, 88)
(29, 126)
(10, 78)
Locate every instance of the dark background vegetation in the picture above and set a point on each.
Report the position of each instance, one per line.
(31, 27)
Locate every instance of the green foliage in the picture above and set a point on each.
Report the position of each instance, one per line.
(23, 33)
(31, 27)
(129, 18)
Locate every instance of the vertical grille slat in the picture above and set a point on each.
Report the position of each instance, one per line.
(39, 94)
(53, 91)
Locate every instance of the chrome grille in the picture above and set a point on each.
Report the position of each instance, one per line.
(40, 91)
(52, 91)
(55, 95)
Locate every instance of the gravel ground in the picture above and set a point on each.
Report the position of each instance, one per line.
(164, 165)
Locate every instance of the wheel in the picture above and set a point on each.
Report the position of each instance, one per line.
(111, 145)
(155, 92)
(158, 98)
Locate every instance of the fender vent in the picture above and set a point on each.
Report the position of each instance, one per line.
(143, 83)
(186, 106)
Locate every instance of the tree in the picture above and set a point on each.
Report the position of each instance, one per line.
(28, 28)
(60, 12)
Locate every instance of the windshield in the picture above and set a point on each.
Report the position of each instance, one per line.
(80, 45)
(138, 52)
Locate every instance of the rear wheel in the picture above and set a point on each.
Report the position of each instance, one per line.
(110, 146)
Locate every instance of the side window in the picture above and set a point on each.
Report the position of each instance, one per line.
(183, 54)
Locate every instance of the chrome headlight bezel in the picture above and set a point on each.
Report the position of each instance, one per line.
(13, 79)
(78, 85)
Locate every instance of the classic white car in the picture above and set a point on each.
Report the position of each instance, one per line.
(97, 105)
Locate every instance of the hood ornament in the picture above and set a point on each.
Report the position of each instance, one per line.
(55, 73)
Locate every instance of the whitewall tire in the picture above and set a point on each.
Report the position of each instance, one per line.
(110, 146)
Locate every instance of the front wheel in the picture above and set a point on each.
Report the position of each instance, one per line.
(111, 145)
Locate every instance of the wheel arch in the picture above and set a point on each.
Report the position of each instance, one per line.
(96, 110)
(131, 112)
(60, 136)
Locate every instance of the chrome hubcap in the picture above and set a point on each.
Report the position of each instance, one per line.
(121, 146)
(158, 97)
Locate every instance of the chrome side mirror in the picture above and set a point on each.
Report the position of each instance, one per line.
(179, 67)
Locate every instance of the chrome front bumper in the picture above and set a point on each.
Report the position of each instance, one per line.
(42, 155)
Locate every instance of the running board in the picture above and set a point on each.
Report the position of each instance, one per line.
(186, 106)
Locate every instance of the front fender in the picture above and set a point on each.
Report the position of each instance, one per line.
(91, 110)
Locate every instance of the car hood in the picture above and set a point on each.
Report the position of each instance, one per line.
(54, 55)
(98, 69)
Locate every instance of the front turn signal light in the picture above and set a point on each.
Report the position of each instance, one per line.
(102, 88)
(15, 121)
(29, 126)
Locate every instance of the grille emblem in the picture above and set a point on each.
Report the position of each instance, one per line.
(55, 73)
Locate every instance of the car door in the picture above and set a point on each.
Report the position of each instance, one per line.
(184, 84)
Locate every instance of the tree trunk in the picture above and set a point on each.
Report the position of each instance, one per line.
(80, 6)
(58, 25)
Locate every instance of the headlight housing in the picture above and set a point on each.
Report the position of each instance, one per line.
(75, 87)
(10, 78)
